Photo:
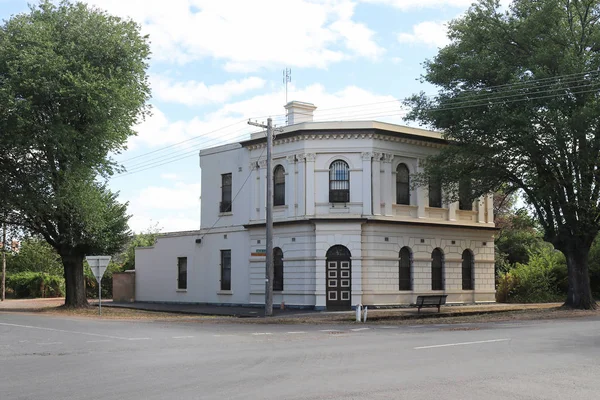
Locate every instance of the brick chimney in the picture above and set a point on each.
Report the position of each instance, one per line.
(298, 112)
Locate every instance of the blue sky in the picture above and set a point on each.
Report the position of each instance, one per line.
(216, 63)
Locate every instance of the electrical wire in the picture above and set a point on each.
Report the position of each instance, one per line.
(487, 99)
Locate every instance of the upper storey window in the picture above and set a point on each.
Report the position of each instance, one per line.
(402, 185)
(279, 186)
(225, 205)
(465, 195)
(339, 182)
(435, 194)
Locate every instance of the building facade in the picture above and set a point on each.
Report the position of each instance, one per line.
(349, 227)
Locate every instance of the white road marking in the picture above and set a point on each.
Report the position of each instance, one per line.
(62, 330)
(261, 333)
(98, 341)
(182, 337)
(329, 330)
(223, 335)
(139, 338)
(461, 344)
(388, 327)
(292, 333)
(359, 329)
(45, 343)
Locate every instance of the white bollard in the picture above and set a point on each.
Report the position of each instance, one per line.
(358, 312)
(365, 315)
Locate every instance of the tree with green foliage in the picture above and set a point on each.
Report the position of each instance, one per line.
(35, 255)
(144, 239)
(73, 83)
(519, 102)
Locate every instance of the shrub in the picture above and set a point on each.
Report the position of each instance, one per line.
(542, 279)
(35, 284)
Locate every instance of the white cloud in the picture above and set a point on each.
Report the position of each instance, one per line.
(162, 197)
(248, 35)
(169, 176)
(193, 93)
(173, 208)
(170, 223)
(431, 33)
(410, 4)
(415, 4)
(229, 123)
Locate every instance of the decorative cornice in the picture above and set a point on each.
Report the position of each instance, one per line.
(366, 156)
(348, 135)
(377, 156)
(262, 163)
(290, 159)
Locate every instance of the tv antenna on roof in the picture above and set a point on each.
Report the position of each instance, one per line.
(287, 77)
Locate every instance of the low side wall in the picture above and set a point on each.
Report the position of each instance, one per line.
(124, 287)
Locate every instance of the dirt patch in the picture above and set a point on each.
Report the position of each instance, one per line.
(56, 307)
(404, 316)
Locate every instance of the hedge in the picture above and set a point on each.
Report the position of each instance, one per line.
(35, 284)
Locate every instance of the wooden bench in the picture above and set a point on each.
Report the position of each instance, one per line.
(431, 300)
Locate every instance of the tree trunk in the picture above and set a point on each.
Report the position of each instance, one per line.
(580, 293)
(74, 282)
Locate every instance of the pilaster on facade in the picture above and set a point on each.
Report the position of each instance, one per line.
(290, 186)
(481, 210)
(301, 184)
(452, 207)
(388, 181)
(489, 215)
(255, 188)
(422, 193)
(366, 183)
(262, 195)
(376, 183)
(310, 183)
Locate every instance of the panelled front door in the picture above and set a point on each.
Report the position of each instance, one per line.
(339, 279)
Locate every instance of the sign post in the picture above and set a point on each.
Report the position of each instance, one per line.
(98, 265)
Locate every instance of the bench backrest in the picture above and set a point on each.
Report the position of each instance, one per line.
(432, 299)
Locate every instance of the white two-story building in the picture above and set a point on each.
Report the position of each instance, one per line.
(349, 227)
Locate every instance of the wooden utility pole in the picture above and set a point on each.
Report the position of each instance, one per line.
(3, 261)
(269, 271)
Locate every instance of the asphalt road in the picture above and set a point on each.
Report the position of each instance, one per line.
(44, 357)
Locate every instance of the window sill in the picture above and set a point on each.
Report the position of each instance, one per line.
(225, 292)
(224, 214)
(181, 290)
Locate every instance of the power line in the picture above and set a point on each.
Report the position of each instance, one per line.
(196, 146)
(183, 141)
(486, 100)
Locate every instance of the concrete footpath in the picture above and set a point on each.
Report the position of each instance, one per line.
(255, 312)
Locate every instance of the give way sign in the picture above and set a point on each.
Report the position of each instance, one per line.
(98, 265)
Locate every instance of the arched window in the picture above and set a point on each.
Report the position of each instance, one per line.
(405, 264)
(437, 270)
(467, 269)
(339, 182)
(435, 194)
(279, 186)
(402, 185)
(277, 269)
(465, 195)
